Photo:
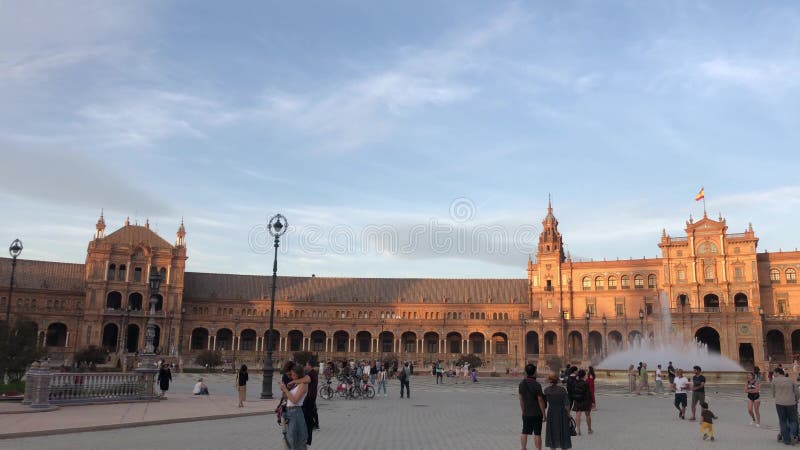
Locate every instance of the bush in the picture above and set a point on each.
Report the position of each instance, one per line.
(13, 388)
(209, 358)
(474, 361)
(18, 349)
(91, 356)
(303, 356)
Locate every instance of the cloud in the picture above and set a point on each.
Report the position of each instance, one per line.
(752, 73)
(784, 197)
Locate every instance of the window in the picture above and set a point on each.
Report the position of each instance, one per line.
(681, 275)
(112, 269)
(707, 247)
(586, 283)
(591, 306)
(549, 286)
(709, 271)
(738, 273)
(791, 276)
(619, 308)
(651, 281)
(774, 276)
(549, 303)
(648, 308)
(679, 253)
(612, 282)
(783, 307)
(137, 274)
(121, 272)
(598, 283)
(625, 282)
(638, 282)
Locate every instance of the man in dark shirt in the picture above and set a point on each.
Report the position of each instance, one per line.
(572, 378)
(310, 403)
(531, 402)
(698, 389)
(671, 373)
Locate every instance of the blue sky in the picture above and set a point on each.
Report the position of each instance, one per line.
(400, 139)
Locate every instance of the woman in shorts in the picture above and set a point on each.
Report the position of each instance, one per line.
(753, 388)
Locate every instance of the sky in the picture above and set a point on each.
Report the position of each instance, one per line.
(399, 139)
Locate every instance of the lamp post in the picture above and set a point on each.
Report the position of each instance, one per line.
(565, 317)
(14, 250)
(235, 339)
(605, 336)
(277, 227)
(180, 339)
(588, 316)
(150, 333)
(380, 340)
(763, 316)
(641, 325)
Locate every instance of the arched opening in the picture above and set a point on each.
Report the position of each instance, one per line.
(634, 338)
(614, 342)
(271, 340)
(295, 340)
(363, 341)
(476, 341)
(199, 340)
(248, 340)
(775, 346)
(532, 343)
(318, 341)
(710, 338)
(135, 302)
(56, 335)
(409, 340)
(575, 344)
(711, 303)
(224, 339)
(340, 339)
(132, 338)
(431, 342)
(747, 356)
(740, 302)
(110, 337)
(683, 300)
(551, 343)
(795, 341)
(386, 340)
(114, 300)
(454, 342)
(500, 343)
(595, 345)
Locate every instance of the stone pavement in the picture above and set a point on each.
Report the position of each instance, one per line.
(463, 416)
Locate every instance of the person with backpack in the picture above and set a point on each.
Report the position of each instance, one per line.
(582, 401)
(403, 376)
(531, 402)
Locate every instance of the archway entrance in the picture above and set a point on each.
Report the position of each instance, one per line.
(775, 347)
(746, 356)
(709, 337)
(132, 339)
(110, 337)
(532, 343)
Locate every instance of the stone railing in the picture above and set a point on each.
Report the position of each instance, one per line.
(44, 388)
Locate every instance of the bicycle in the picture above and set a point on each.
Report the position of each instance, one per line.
(327, 392)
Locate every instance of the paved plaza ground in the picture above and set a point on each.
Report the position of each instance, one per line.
(460, 416)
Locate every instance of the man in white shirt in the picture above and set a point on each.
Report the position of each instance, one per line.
(659, 381)
(680, 385)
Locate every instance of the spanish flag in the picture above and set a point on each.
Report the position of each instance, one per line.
(700, 195)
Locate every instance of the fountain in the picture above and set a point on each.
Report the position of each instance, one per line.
(683, 354)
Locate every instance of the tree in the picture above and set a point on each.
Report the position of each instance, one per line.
(209, 358)
(474, 360)
(91, 356)
(303, 356)
(18, 348)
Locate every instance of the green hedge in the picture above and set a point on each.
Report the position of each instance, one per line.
(15, 386)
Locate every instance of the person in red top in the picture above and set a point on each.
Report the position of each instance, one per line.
(590, 379)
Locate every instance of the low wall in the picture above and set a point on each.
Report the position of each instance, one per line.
(621, 377)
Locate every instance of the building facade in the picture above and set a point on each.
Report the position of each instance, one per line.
(708, 285)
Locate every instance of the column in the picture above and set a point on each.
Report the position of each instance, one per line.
(787, 344)
(489, 347)
(238, 343)
(66, 343)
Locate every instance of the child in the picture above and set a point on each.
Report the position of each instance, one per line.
(707, 423)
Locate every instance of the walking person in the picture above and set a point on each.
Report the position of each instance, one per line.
(295, 432)
(531, 402)
(310, 403)
(582, 402)
(439, 372)
(164, 378)
(405, 383)
(644, 379)
(241, 384)
(707, 423)
(671, 373)
(557, 429)
(784, 391)
(590, 377)
(659, 380)
(698, 389)
(632, 378)
(753, 390)
(381, 381)
(679, 386)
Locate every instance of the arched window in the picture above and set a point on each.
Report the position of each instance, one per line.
(586, 283)
(612, 282)
(598, 283)
(791, 276)
(774, 276)
(121, 272)
(625, 282)
(709, 272)
(112, 270)
(707, 247)
(137, 274)
(651, 281)
(638, 282)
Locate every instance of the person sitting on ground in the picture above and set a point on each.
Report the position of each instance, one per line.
(200, 388)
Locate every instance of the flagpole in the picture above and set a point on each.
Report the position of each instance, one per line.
(704, 205)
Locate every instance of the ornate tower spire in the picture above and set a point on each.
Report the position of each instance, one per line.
(100, 227)
(550, 242)
(147, 223)
(181, 236)
(127, 221)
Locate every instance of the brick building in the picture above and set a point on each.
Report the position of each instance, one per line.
(714, 285)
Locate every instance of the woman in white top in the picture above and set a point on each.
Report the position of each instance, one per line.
(295, 432)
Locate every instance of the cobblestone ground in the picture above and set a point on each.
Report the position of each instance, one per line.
(463, 416)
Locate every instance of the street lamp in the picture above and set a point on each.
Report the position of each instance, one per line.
(641, 323)
(150, 334)
(605, 336)
(14, 250)
(588, 316)
(236, 339)
(380, 340)
(763, 316)
(277, 227)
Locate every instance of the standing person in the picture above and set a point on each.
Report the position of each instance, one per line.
(671, 373)
(698, 389)
(784, 391)
(439, 372)
(632, 378)
(310, 403)
(474, 375)
(590, 379)
(465, 368)
(659, 380)
(531, 402)
(381, 381)
(295, 432)
(373, 371)
(582, 402)
(164, 378)
(753, 390)
(757, 373)
(707, 424)
(411, 367)
(404, 380)
(557, 435)
(679, 386)
(241, 384)
(572, 377)
(644, 379)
